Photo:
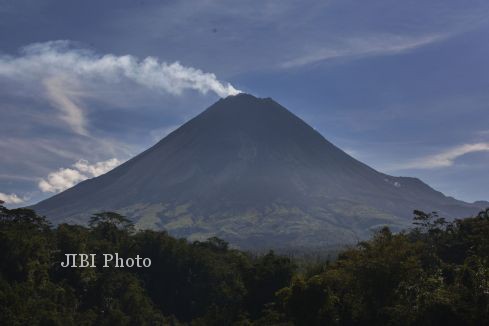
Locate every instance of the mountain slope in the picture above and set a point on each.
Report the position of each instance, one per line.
(251, 172)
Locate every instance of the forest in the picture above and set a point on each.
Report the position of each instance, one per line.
(436, 273)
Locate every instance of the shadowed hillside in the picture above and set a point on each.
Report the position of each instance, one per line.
(251, 172)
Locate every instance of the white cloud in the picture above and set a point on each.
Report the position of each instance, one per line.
(445, 158)
(98, 168)
(61, 180)
(11, 198)
(65, 178)
(363, 46)
(60, 72)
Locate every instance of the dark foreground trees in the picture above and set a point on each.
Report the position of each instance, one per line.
(435, 274)
(203, 283)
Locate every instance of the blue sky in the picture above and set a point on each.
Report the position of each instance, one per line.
(400, 85)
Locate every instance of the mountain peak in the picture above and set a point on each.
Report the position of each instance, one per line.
(242, 95)
(253, 173)
(245, 98)
(246, 111)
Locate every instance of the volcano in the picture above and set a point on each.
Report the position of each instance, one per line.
(249, 171)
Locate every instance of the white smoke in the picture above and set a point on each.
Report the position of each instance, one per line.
(60, 71)
(65, 178)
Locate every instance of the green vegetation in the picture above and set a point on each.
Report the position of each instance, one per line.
(434, 274)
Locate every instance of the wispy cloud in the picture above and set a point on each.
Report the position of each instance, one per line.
(483, 132)
(66, 100)
(65, 178)
(17, 177)
(363, 46)
(11, 198)
(443, 159)
(61, 71)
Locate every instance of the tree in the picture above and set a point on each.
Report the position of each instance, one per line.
(110, 220)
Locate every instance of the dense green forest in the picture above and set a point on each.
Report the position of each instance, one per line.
(435, 274)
